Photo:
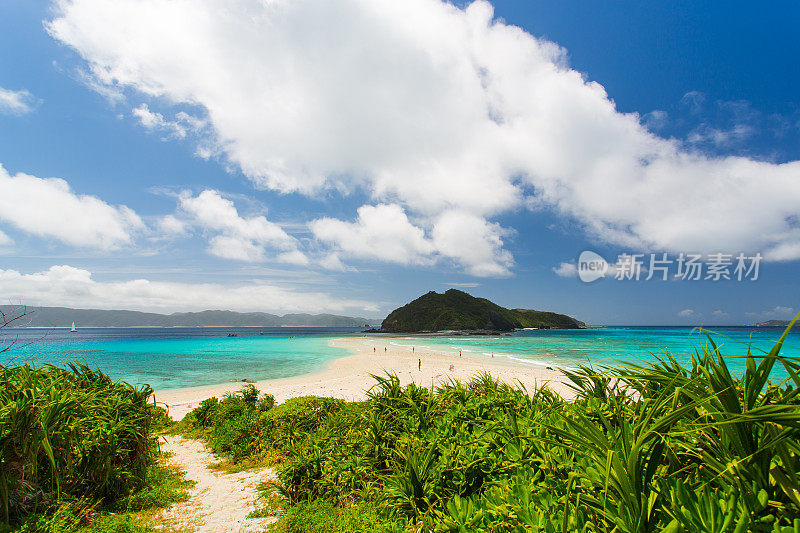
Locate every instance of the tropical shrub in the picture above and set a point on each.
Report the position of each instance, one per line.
(641, 448)
(69, 434)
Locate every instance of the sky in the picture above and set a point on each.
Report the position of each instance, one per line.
(287, 156)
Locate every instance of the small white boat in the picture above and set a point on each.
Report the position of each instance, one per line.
(73, 329)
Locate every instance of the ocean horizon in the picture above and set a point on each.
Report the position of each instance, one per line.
(181, 357)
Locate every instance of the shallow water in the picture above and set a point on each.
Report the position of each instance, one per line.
(168, 358)
(614, 345)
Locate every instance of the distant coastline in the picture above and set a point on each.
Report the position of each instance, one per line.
(301, 326)
(54, 317)
(773, 324)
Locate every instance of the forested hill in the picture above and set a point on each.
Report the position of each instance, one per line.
(457, 310)
(64, 316)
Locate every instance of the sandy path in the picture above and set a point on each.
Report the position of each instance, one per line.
(218, 503)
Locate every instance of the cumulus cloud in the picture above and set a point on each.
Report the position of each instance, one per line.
(566, 270)
(443, 111)
(380, 232)
(230, 235)
(68, 286)
(686, 313)
(16, 102)
(47, 207)
(719, 313)
(331, 261)
(384, 232)
(172, 226)
(473, 242)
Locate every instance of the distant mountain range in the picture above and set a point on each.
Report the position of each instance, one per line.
(64, 317)
(456, 310)
(776, 323)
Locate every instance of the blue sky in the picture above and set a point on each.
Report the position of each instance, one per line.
(348, 158)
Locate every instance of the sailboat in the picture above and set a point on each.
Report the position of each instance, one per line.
(73, 329)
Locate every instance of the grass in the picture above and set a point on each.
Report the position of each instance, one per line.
(76, 447)
(642, 448)
(270, 502)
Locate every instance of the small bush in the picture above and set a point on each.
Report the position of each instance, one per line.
(71, 433)
(321, 516)
(641, 449)
(203, 415)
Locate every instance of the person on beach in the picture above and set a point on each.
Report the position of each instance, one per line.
(384, 349)
(412, 349)
(373, 349)
(459, 353)
(419, 364)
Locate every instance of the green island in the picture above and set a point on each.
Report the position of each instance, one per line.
(642, 448)
(456, 310)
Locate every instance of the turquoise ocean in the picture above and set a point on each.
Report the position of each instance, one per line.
(169, 358)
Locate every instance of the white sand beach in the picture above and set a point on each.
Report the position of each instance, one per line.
(349, 377)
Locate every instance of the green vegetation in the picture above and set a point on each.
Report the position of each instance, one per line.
(457, 310)
(643, 448)
(73, 445)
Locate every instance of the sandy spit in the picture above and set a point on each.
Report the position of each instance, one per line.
(349, 377)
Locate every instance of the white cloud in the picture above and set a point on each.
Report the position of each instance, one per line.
(331, 261)
(566, 270)
(385, 233)
(381, 232)
(472, 242)
(719, 313)
(432, 108)
(16, 102)
(232, 236)
(47, 207)
(779, 312)
(179, 128)
(147, 118)
(686, 313)
(721, 137)
(655, 120)
(172, 226)
(68, 286)
(5, 240)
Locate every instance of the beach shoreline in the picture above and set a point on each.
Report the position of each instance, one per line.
(350, 377)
